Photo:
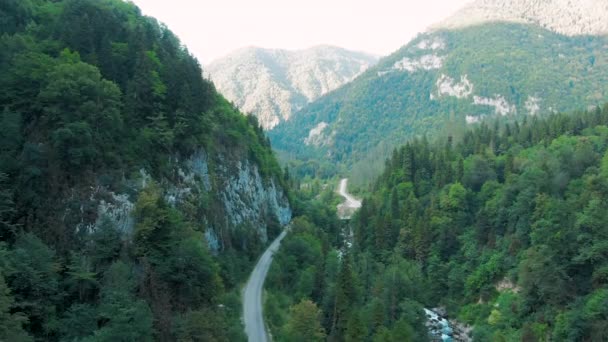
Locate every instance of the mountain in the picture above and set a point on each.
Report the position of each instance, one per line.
(442, 81)
(273, 84)
(580, 17)
(133, 196)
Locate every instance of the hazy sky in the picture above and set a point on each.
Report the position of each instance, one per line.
(213, 28)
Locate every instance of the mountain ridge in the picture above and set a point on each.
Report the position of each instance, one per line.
(446, 79)
(274, 83)
(580, 17)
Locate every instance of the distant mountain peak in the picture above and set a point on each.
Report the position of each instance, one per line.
(569, 17)
(274, 83)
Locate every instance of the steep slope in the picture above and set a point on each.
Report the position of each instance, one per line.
(272, 84)
(133, 197)
(580, 17)
(506, 229)
(447, 79)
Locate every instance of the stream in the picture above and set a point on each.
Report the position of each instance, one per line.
(438, 326)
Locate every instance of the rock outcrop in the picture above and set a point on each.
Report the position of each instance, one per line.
(234, 187)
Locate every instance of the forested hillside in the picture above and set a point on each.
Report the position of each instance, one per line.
(133, 197)
(505, 228)
(444, 80)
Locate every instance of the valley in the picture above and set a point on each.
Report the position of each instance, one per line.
(452, 190)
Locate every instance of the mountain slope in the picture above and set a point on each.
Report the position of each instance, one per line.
(562, 16)
(272, 84)
(505, 228)
(448, 79)
(133, 196)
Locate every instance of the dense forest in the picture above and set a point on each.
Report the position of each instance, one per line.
(505, 228)
(96, 100)
(504, 224)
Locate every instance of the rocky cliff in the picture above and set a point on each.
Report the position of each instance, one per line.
(229, 193)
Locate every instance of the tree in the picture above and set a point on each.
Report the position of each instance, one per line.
(304, 323)
(344, 296)
(7, 209)
(105, 245)
(201, 326)
(11, 141)
(11, 324)
(383, 334)
(76, 92)
(78, 322)
(74, 146)
(81, 278)
(192, 273)
(125, 317)
(152, 231)
(355, 329)
(35, 282)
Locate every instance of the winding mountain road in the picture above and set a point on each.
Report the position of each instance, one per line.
(350, 204)
(253, 315)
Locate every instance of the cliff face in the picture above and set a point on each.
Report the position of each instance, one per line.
(231, 192)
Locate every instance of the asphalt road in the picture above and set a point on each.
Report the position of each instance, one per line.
(253, 315)
(350, 204)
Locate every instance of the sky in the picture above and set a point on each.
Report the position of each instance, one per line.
(213, 28)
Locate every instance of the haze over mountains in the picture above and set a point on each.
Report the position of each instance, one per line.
(273, 84)
(457, 75)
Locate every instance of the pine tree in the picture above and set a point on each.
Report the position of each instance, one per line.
(344, 295)
(11, 325)
(355, 330)
(304, 324)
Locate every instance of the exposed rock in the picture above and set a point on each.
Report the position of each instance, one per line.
(315, 136)
(441, 328)
(470, 119)
(245, 195)
(426, 62)
(435, 43)
(533, 105)
(212, 240)
(273, 84)
(247, 198)
(118, 211)
(448, 86)
(461, 332)
(507, 285)
(500, 104)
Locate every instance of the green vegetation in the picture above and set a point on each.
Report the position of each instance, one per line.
(370, 116)
(92, 93)
(317, 290)
(506, 229)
